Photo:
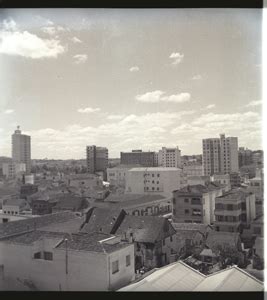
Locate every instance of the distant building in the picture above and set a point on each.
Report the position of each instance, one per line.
(193, 169)
(13, 170)
(158, 180)
(234, 210)
(14, 206)
(195, 204)
(244, 157)
(194, 180)
(235, 179)
(138, 157)
(97, 159)
(222, 179)
(220, 155)
(84, 181)
(169, 157)
(257, 157)
(117, 176)
(21, 149)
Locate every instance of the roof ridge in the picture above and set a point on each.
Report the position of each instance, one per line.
(248, 274)
(189, 267)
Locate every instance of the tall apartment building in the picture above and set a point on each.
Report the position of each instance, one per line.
(21, 149)
(234, 210)
(97, 159)
(169, 157)
(138, 157)
(220, 155)
(244, 156)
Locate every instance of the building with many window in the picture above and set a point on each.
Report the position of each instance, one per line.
(138, 157)
(234, 210)
(169, 157)
(13, 169)
(21, 149)
(97, 159)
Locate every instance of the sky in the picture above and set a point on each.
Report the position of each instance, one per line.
(129, 79)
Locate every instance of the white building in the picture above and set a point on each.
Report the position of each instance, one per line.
(117, 176)
(169, 157)
(13, 169)
(229, 154)
(211, 156)
(84, 181)
(21, 149)
(222, 179)
(161, 180)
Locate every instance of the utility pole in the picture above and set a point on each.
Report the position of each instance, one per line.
(66, 245)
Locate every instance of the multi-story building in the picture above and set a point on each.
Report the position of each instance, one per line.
(97, 159)
(222, 179)
(244, 157)
(169, 157)
(117, 176)
(196, 203)
(13, 170)
(234, 210)
(21, 149)
(193, 169)
(220, 155)
(138, 157)
(158, 180)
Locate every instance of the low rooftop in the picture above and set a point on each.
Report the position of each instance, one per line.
(154, 169)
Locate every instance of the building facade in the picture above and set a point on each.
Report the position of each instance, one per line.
(220, 155)
(153, 180)
(138, 157)
(97, 159)
(13, 170)
(21, 149)
(244, 157)
(169, 157)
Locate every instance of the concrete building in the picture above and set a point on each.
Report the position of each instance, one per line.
(196, 204)
(138, 157)
(21, 149)
(193, 169)
(169, 157)
(97, 159)
(117, 176)
(14, 206)
(244, 156)
(58, 258)
(222, 179)
(13, 170)
(158, 180)
(84, 181)
(234, 210)
(220, 155)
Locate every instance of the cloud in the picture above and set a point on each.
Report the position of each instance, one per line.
(9, 111)
(88, 110)
(197, 77)
(115, 117)
(76, 40)
(29, 45)
(134, 69)
(157, 96)
(80, 58)
(254, 103)
(52, 30)
(210, 106)
(176, 58)
(9, 25)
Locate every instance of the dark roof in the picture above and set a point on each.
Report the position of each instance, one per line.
(238, 194)
(216, 238)
(187, 234)
(15, 202)
(197, 189)
(101, 219)
(91, 242)
(147, 228)
(20, 226)
(70, 202)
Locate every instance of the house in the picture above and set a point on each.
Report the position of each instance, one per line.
(179, 277)
(70, 202)
(14, 206)
(56, 256)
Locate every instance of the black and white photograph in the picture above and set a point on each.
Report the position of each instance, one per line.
(131, 150)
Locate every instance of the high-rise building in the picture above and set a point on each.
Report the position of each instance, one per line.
(97, 159)
(169, 157)
(21, 149)
(244, 157)
(138, 157)
(220, 155)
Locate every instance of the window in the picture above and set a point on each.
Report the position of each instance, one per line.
(230, 207)
(163, 242)
(196, 212)
(48, 255)
(186, 200)
(128, 260)
(195, 201)
(37, 255)
(158, 175)
(186, 211)
(171, 238)
(153, 181)
(152, 175)
(157, 188)
(115, 267)
(257, 230)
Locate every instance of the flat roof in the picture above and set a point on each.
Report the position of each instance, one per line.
(154, 169)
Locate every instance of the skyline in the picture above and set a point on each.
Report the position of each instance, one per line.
(129, 79)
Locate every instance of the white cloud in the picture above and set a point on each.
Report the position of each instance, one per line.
(115, 117)
(52, 30)
(210, 106)
(197, 77)
(176, 58)
(9, 111)
(29, 45)
(134, 69)
(80, 58)
(88, 110)
(76, 40)
(157, 96)
(9, 24)
(254, 103)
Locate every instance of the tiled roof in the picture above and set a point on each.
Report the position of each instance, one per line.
(181, 277)
(216, 238)
(191, 226)
(137, 198)
(147, 228)
(197, 189)
(16, 227)
(101, 219)
(15, 202)
(91, 242)
(238, 194)
(154, 169)
(70, 202)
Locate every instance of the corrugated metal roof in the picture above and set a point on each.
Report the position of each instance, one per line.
(181, 277)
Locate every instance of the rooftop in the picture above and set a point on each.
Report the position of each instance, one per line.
(199, 189)
(191, 226)
(216, 238)
(237, 194)
(181, 277)
(15, 202)
(154, 169)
